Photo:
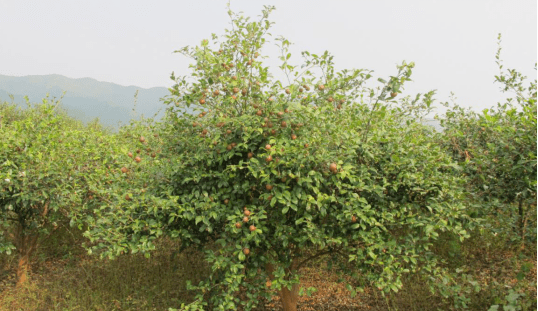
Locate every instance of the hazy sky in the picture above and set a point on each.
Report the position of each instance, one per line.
(452, 42)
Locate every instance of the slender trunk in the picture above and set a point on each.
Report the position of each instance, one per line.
(22, 269)
(521, 222)
(25, 248)
(289, 298)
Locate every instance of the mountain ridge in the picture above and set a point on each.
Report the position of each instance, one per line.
(87, 98)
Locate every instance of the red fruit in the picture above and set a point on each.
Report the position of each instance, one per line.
(353, 218)
(246, 212)
(216, 92)
(201, 101)
(393, 94)
(321, 87)
(252, 228)
(269, 187)
(124, 170)
(127, 197)
(238, 225)
(293, 136)
(142, 139)
(130, 155)
(229, 147)
(236, 90)
(226, 201)
(306, 145)
(137, 159)
(288, 91)
(269, 159)
(246, 251)
(250, 155)
(259, 113)
(267, 146)
(245, 219)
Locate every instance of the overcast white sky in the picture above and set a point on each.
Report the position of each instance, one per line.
(452, 42)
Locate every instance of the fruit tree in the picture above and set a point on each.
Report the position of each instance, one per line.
(268, 175)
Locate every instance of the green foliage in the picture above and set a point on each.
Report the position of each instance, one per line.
(271, 174)
(497, 149)
(47, 161)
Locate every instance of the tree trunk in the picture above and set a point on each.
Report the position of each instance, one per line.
(25, 247)
(22, 269)
(522, 222)
(289, 298)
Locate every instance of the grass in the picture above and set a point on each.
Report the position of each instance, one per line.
(491, 270)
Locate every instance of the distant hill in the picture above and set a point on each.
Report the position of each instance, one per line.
(87, 98)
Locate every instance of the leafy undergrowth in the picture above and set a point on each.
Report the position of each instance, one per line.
(65, 278)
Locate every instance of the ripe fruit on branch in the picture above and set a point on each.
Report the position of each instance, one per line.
(137, 159)
(267, 146)
(234, 77)
(270, 99)
(127, 197)
(130, 155)
(268, 283)
(246, 212)
(393, 94)
(201, 101)
(245, 219)
(252, 228)
(216, 92)
(353, 218)
(142, 139)
(235, 90)
(250, 155)
(259, 113)
(246, 251)
(330, 99)
(124, 170)
(283, 124)
(288, 91)
(306, 145)
(332, 167)
(238, 225)
(229, 147)
(293, 136)
(226, 201)
(321, 87)
(269, 159)
(269, 187)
